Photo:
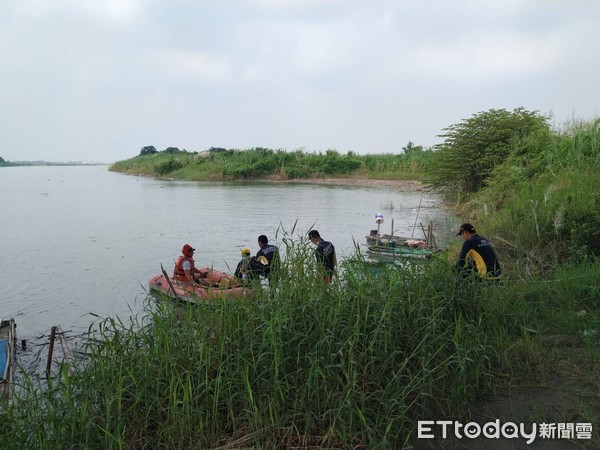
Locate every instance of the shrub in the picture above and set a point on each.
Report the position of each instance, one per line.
(167, 166)
(475, 147)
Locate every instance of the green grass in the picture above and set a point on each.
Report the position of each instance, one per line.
(354, 364)
(345, 365)
(261, 163)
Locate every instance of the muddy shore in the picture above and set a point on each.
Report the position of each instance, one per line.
(405, 185)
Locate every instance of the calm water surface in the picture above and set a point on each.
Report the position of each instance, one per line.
(81, 240)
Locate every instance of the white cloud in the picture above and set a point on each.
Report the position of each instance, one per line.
(195, 67)
(111, 9)
(494, 56)
(346, 74)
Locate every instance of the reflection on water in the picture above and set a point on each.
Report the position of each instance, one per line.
(81, 240)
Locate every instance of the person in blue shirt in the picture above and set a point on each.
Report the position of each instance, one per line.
(325, 256)
(477, 255)
(267, 257)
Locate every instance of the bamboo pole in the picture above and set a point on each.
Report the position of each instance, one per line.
(416, 218)
(64, 345)
(430, 230)
(423, 230)
(50, 350)
(164, 272)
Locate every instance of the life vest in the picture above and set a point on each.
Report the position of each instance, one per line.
(481, 267)
(178, 272)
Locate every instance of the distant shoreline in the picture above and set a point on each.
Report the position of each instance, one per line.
(49, 163)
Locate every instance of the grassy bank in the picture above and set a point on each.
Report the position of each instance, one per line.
(350, 366)
(260, 163)
(542, 202)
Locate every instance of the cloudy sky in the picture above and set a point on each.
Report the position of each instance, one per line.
(96, 80)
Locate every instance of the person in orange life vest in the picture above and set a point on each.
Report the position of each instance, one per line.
(185, 270)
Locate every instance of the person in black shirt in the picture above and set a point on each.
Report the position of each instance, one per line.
(325, 256)
(267, 257)
(477, 254)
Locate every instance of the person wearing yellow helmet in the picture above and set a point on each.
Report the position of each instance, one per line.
(242, 271)
(262, 264)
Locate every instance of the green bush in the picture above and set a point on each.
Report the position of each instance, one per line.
(167, 166)
(473, 148)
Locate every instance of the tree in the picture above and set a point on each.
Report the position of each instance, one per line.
(171, 150)
(412, 150)
(473, 148)
(148, 150)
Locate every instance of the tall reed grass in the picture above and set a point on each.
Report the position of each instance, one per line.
(351, 365)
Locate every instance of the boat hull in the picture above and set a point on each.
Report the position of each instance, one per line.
(403, 252)
(8, 338)
(220, 285)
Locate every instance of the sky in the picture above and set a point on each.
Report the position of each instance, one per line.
(97, 80)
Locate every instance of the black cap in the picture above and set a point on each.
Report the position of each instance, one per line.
(466, 227)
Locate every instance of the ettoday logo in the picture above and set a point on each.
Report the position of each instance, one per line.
(430, 429)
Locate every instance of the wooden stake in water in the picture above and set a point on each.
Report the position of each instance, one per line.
(416, 218)
(50, 350)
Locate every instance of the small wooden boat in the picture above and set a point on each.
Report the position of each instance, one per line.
(8, 338)
(399, 246)
(219, 285)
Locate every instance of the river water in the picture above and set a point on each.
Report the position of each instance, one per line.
(82, 241)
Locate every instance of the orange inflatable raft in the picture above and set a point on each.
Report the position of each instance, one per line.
(219, 285)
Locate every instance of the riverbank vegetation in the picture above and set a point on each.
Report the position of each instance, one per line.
(219, 164)
(358, 363)
(534, 189)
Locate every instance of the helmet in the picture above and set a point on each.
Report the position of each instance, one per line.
(245, 251)
(186, 249)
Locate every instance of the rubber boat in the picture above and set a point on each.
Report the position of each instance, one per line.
(219, 285)
(8, 338)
